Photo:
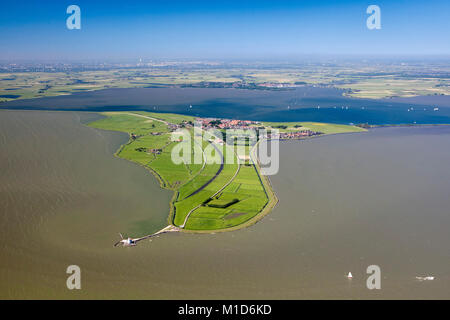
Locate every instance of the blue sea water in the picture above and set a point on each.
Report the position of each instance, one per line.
(302, 104)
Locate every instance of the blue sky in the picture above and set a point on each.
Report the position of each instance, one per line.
(221, 29)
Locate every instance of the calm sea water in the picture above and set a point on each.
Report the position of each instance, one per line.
(300, 104)
(346, 202)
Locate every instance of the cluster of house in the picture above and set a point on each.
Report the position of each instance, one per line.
(208, 123)
(155, 151)
(281, 84)
(294, 134)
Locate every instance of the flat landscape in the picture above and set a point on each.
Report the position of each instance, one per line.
(360, 80)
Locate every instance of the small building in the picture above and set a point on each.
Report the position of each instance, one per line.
(155, 151)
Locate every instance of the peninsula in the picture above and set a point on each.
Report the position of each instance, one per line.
(211, 195)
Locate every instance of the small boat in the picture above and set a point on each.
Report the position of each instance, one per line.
(350, 276)
(426, 278)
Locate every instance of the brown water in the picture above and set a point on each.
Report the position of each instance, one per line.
(346, 201)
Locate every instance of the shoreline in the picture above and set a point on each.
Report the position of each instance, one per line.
(272, 199)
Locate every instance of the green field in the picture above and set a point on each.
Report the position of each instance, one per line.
(325, 128)
(212, 195)
(125, 122)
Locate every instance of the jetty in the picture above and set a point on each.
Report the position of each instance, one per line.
(169, 228)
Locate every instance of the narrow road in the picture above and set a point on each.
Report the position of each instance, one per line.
(147, 117)
(200, 171)
(215, 176)
(169, 228)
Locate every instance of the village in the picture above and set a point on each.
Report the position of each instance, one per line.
(294, 134)
(210, 123)
(235, 124)
(213, 123)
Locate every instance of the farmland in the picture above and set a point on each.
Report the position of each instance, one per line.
(210, 194)
(359, 80)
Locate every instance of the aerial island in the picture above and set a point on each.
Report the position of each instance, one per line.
(213, 195)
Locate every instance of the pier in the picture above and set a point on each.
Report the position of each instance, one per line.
(169, 228)
(133, 242)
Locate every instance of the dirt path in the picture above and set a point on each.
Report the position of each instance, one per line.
(169, 228)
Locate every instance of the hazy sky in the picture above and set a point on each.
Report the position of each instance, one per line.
(220, 29)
